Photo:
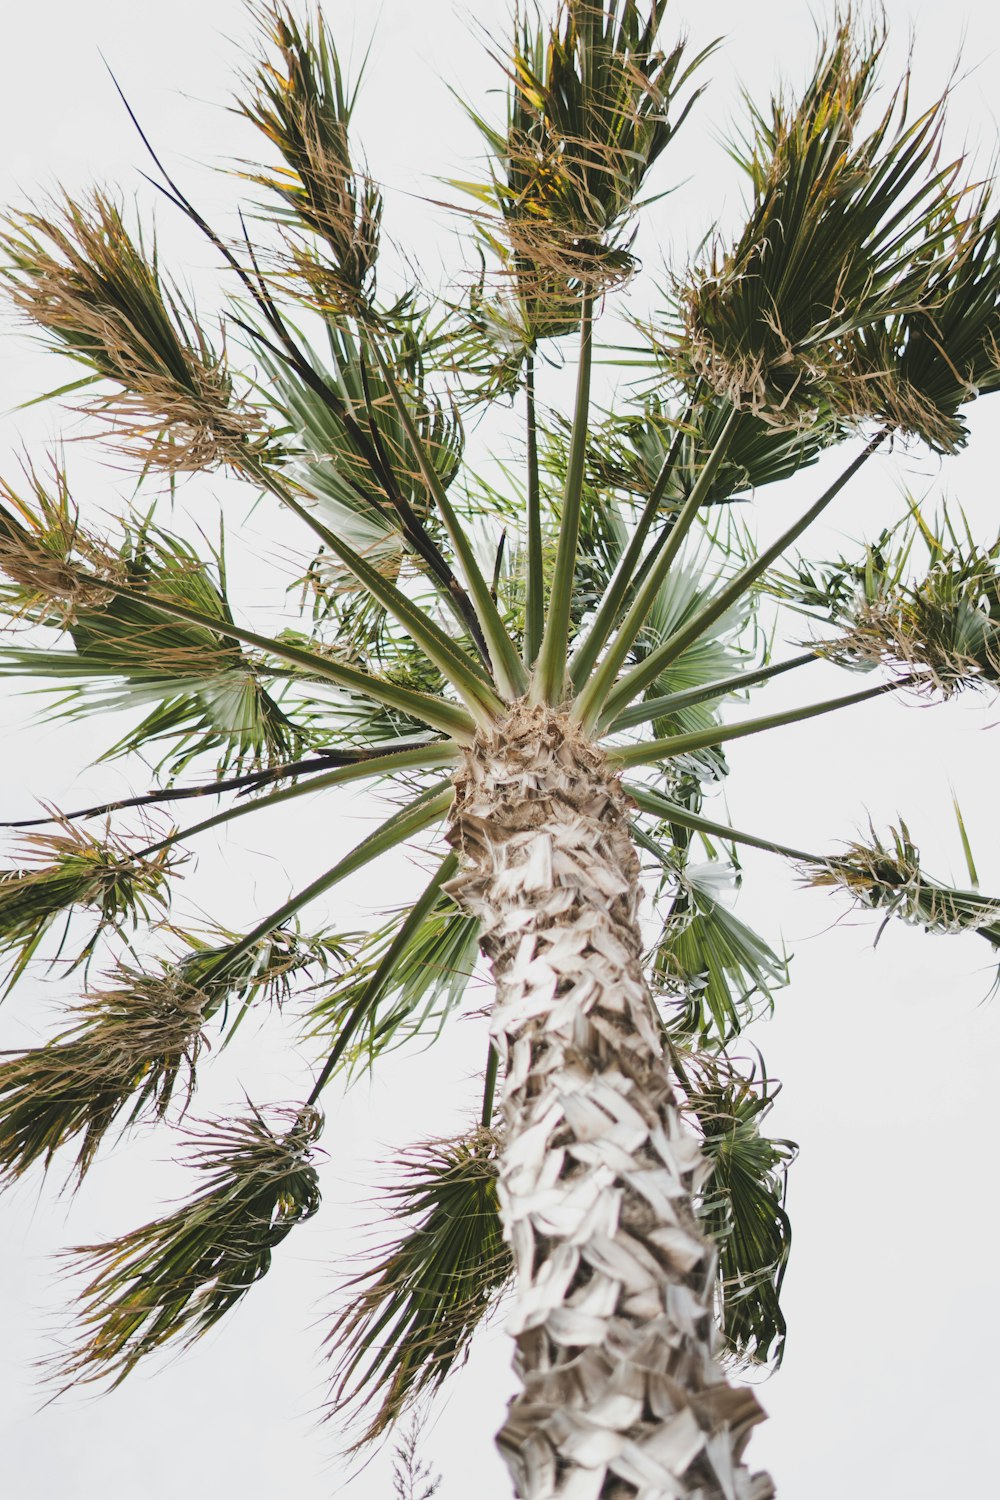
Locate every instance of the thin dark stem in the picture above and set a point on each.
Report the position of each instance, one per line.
(249, 781)
(419, 539)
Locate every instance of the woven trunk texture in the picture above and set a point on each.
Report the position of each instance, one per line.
(621, 1393)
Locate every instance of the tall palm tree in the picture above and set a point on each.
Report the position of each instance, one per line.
(529, 664)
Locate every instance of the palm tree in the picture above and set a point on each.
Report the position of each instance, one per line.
(529, 663)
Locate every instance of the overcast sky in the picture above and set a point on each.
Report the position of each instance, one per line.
(889, 1057)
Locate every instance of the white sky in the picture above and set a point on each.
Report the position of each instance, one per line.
(890, 1061)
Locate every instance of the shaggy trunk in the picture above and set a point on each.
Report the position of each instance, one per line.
(613, 1320)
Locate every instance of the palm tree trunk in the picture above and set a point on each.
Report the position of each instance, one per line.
(613, 1319)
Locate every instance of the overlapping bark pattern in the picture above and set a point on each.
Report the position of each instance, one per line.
(613, 1319)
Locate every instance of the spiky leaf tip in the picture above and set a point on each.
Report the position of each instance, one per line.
(129, 1049)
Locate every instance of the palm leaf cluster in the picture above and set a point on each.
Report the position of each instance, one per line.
(598, 570)
(119, 651)
(845, 232)
(744, 1207)
(592, 104)
(37, 541)
(937, 629)
(887, 876)
(303, 108)
(99, 296)
(178, 1275)
(411, 1315)
(60, 872)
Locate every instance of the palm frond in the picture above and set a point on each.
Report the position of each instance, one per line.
(208, 693)
(50, 565)
(743, 1208)
(131, 1045)
(888, 877)
(134, 1043)
(100, 297)
(303, 107)
(920, 367)
(408, 975)
(627, 453)
(409, 1318)
(715, 972)
(331, 443)
(592, 104)
(175, 1277)
(843, 232)
(939, 634)
(69, 869)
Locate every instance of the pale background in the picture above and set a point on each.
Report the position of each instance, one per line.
(891, 1058)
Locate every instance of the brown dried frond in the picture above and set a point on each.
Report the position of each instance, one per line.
(79, 275)
(57, 567)
(300, 103)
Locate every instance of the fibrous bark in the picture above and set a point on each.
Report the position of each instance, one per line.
(622, 1395)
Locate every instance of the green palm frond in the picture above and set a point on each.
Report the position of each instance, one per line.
(937, 631)
(628, 452)
(940, 634)
(592, 104)
(410, 1317)
(844, 230)
(303, 107)
(407, 976)
(714, 972)
(131, 1045)
(100, 297)
(135, 1043)
(888, 877)
(175, 1277)
(208, 693)
(743, 1207)
(331, 441)
(69, 869)
(922, 365)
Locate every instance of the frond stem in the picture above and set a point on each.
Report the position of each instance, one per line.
(588, 706)
(549, 683)
(373, 989)
(670, 703)
(416, 816)
(534, 607)
(650, 668)
(593, 643)
(652, 752)
(653, 802)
